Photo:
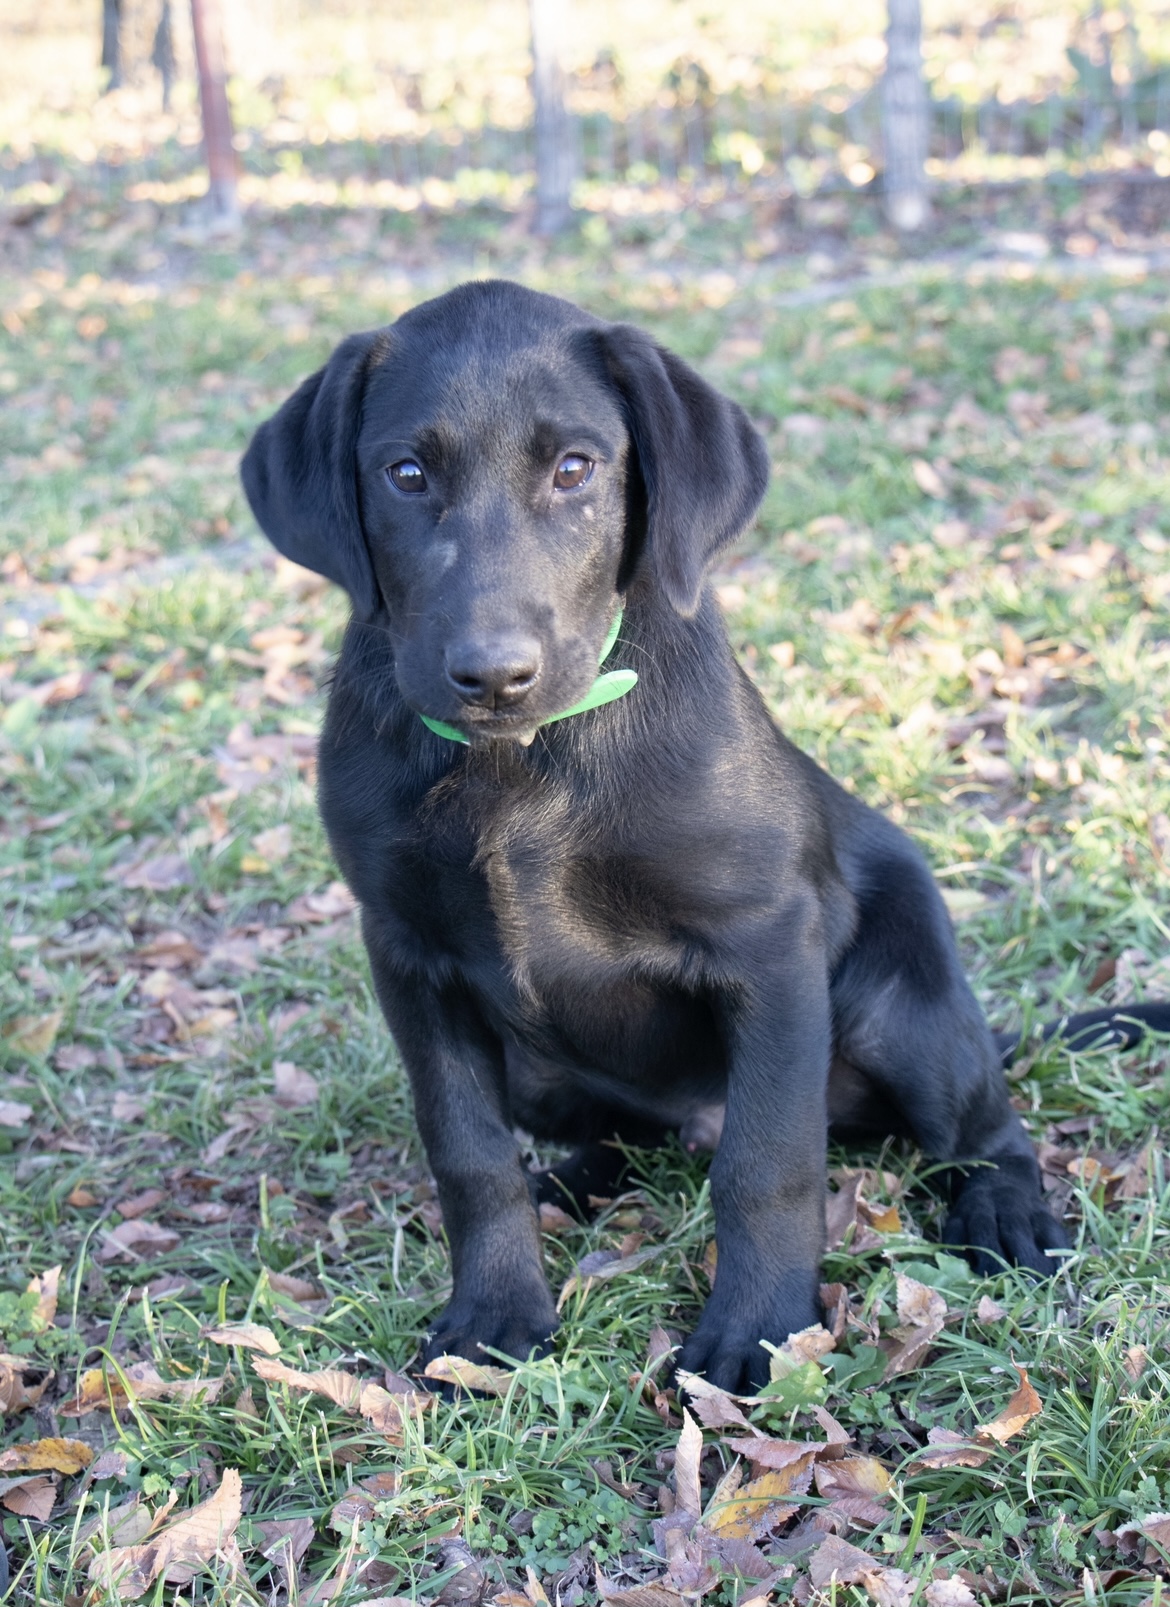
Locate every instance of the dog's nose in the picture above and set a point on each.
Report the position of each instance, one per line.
(495, 671)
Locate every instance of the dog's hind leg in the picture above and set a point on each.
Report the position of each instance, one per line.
(906, 1020)
(595, 1171)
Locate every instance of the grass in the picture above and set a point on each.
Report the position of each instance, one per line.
(955, 597)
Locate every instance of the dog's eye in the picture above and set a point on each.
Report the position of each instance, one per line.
(572, 471)
(407, 476)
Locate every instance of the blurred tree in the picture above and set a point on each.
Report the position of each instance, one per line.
(207, 27)
(554, 150)
(905, 124)
(112, 42)
(162, 52)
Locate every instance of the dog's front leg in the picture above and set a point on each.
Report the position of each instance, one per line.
(500, 1297)
(768, 1176)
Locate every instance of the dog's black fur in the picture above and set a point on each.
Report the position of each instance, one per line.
(655, 915)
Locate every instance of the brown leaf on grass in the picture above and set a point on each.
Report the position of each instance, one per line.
(138, 1204)
(135, 1239)
(333, 903)
(127, 1107)
(15, 1394)
(111, 1464)
(1135, 1362)
(655, 1593)
(161, 874)
(836, 1436)
(14, 1113)
(125, 1525)
(45, 1286)
(554, 1220)
(248, 1335)
(922, 1312)
(1024, 1405)
(836, 1559)
(759, 1507)
(302, 1291)
(688, 1453)
(292, 1087)
(29, 1498)
(47, 1456)
(599, 1266)
(889, 1587)
(772, 1455)
(102, 1391)
(170, 950)
(179, 1550)
(33, 1037)
(856, 1485)
(469, 1375)
(950, 1592)
(918, 1304)
(989, 1311)
(713, 1406)
(810, 1344)
(284, 1541)
(382, 1410)
(947, 1449)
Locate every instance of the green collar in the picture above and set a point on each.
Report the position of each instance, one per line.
(605, 689)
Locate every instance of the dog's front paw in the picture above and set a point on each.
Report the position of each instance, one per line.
(725, 1347)
(521, 1329)
(999, 1216)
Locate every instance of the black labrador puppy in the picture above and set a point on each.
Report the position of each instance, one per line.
(605, 906)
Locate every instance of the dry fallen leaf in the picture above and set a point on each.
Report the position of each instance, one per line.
(139, 1204)
(135, 1239)
(757, 1508)
(127, 1107)
(15, 1394)
(469, 1375)
(179, 1550)
(950, 1592)
(765, 1453)
(293, 1087)
(14, 1113)
(248, 1335)
(382, 1410)
(45, 1287)
(274, 844)
(29, 1497)
(856, 1486)
(655, 1593)
(303, 1291)
(835, 1559)
(946, 1449)
(713, 1406)
(33, 1036)
(158, 875)
(101, 1391)
(1024, 1405)
(599, 1266)
(889, 1587)
(47, 1456)
(688, 1454)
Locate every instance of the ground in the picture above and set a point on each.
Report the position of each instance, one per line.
(955, 597)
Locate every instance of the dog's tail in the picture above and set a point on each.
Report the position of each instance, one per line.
(1116, 1027)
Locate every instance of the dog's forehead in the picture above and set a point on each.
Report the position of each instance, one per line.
(486, 360)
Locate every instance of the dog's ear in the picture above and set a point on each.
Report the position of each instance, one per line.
(703, 466)
(300, 474)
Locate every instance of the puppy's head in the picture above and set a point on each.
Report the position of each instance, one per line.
(487, 477)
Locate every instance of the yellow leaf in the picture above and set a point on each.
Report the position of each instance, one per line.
(254, 865)
(761, 1505)
(248, 1335)
(469, 1375)
(46, 1456)
(887, 1220)
(34, 1036)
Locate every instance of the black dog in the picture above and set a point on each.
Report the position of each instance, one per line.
(654, 914)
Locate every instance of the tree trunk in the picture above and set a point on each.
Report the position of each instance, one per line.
(554, 154)
(112, 42)
(162, 53)
(217, 118)
(905, 126)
